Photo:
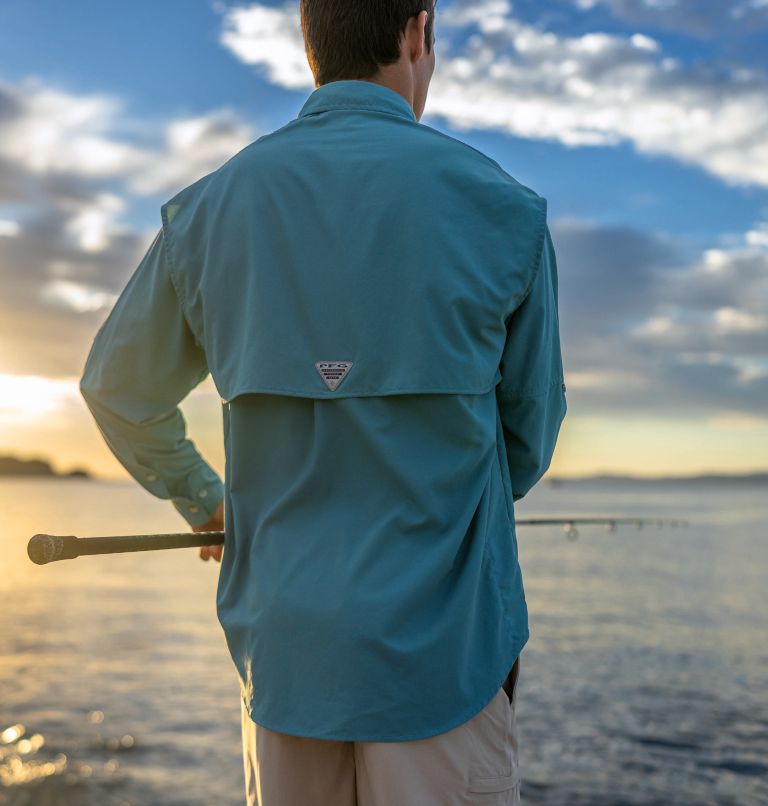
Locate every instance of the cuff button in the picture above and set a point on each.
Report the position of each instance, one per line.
(192, 508)
(151, 477)
(202, 493)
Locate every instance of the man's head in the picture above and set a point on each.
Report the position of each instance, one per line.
(389, 42)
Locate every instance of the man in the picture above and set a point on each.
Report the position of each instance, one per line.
(377, 305)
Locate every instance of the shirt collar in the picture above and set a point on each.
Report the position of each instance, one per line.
(357, 94)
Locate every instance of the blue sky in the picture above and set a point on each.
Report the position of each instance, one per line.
(643, 123)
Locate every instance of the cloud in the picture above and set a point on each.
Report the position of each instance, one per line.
(50, 287)
(77, 296)
(496, 72)
(8, 228)
(71, 168)
(610, 273)
(66, 139)
(192, 147)
(645, 329)
(45, 131)
(270, 38)
(716, 307)
(698, 18)
(736, 277)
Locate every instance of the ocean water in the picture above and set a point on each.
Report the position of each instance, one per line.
(645, 680)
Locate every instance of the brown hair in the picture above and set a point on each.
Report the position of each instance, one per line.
(351, 39)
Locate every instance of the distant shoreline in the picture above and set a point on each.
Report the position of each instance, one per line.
(13, 467)
(704, 478)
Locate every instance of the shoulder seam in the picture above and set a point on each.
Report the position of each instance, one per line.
(167, 252)
(485, 157)
(540, 239)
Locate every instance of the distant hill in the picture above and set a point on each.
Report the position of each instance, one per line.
(13, 466)
(714, 479)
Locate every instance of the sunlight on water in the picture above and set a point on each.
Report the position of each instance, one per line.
(644, 680)
(18, 761)
(110, 657)
(25, 759)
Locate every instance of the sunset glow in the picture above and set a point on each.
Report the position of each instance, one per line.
(655, 171)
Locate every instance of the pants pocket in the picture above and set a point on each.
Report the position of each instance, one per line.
(494, 767)
(496, 783)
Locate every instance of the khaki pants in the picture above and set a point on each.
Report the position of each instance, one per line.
(473, 763)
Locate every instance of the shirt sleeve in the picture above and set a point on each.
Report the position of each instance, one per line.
(144, 360)
(531, 392)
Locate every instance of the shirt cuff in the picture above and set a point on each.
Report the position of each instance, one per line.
(199, 505)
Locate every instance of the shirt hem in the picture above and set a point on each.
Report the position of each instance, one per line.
(455, 722)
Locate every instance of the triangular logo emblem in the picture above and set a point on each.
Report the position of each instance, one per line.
(333, 372)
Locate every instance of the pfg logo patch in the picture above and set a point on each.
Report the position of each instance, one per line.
(333, 372)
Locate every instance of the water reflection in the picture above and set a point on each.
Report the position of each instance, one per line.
(89, 774)
(644, 680)
(16, 770)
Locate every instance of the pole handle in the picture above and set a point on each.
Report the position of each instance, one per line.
(43, 548)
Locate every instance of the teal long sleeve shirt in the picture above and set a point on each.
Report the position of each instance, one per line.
(377, 305)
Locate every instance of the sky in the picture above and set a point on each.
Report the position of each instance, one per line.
(644, 123)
